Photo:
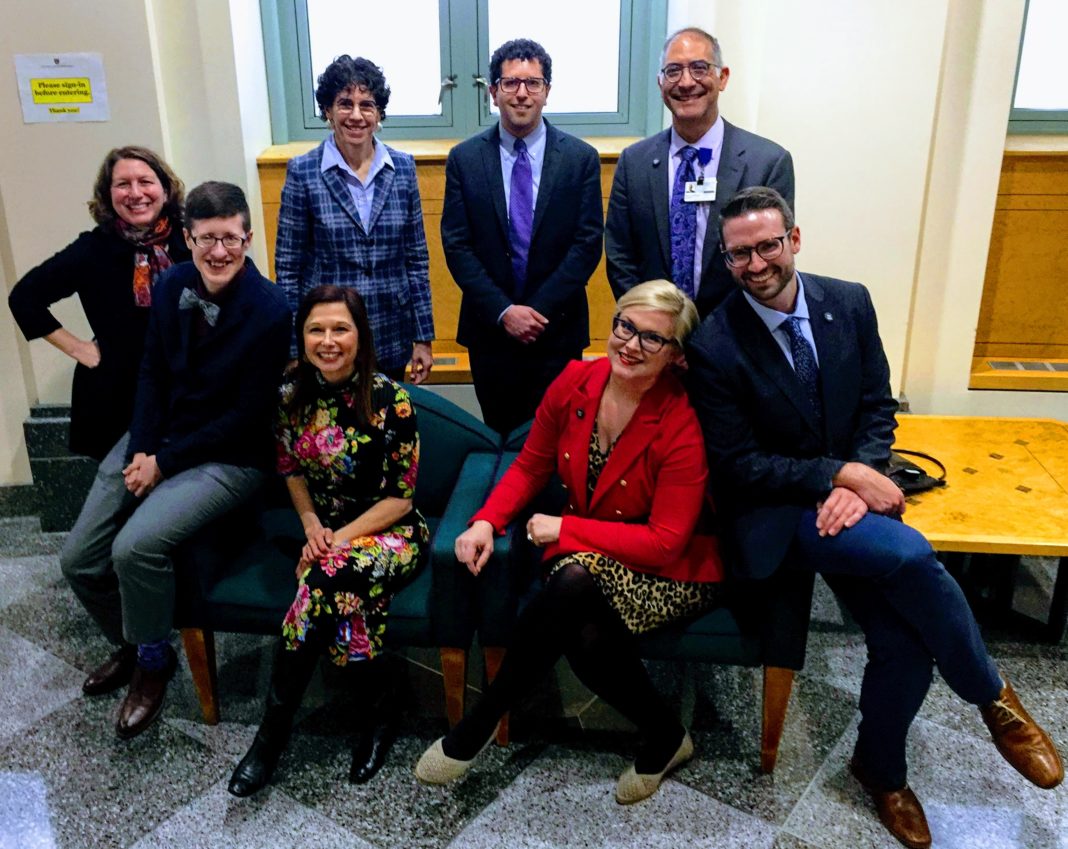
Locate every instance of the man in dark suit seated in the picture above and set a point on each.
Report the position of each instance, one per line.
(668, 189)
(199, 444)
(792, 387)
(521, 228)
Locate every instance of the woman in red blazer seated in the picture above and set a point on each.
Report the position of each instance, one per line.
(625, 557)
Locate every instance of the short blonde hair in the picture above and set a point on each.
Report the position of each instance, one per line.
(665, 296)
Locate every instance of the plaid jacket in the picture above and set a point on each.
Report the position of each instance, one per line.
(321, 240)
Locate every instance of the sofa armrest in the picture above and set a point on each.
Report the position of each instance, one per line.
(453, 587)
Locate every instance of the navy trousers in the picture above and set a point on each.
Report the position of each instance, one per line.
(914, 618)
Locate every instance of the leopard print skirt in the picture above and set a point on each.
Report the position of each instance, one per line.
(643, 601)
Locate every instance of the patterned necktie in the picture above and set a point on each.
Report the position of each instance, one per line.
(520, 215)
(683, 225)
(189, 300)
(804, 364)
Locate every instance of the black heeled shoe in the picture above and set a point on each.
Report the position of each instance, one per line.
(369, 750)
(289, 678)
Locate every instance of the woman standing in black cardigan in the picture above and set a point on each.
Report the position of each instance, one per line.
(137, 205)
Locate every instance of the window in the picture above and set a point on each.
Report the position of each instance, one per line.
(436, 58)
(1040, 98)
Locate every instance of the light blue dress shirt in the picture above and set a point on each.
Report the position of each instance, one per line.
(773, 320)
(363, 194)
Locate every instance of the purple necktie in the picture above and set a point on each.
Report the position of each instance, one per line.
(683, 225)
(520, 216)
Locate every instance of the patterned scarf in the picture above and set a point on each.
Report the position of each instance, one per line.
(150, 258)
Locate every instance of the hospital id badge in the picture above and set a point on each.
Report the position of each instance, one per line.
(700, 191)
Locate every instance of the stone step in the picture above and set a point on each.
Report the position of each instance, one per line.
(61, 484)
(46, 437)
(50, 411)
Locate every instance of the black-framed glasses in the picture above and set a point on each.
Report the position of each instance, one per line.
(766, 250)
(510, 85)
(229, 241)
(698, 71)
(648, 341)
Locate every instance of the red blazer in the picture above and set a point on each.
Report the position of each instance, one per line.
(650, 494)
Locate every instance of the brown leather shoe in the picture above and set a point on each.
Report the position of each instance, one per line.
(1020, 740)
(899, 810)
(144, 699)
(113, 673)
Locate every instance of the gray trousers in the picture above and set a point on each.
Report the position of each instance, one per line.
(117, 556)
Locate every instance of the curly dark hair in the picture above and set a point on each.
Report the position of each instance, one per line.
(100, 203)
(304, 372)
(345, 72)
(520, 48)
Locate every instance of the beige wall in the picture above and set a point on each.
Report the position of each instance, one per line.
(895, 111)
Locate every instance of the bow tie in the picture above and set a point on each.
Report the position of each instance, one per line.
(190, 299)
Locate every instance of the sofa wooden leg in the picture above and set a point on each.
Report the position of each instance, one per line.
(454, 671)
(777, 685)
(494, 656)
(200, 655)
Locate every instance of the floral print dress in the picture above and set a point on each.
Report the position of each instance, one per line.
(348, 468)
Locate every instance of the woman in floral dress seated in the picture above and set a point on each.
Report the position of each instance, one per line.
(349, 450)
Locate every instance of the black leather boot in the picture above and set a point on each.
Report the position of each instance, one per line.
(378, 690)
(290, 675)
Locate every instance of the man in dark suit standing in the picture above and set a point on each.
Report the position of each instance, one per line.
(522, 229)
(669, 188)
(199, 445)
(792, 387)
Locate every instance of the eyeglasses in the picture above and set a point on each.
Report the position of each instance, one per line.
(648, 341)
(768, 249)
(366, 107)
(510, 85)
(229, 241)
(698, 71)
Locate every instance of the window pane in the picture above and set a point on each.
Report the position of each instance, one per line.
(411, 61)
(581, 37)
(1041, 83)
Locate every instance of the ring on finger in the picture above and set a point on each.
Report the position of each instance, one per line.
(530, 537)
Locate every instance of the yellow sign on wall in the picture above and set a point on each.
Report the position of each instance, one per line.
(61, 90)
(58, 87)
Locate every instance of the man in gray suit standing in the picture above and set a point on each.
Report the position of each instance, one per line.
(669, 188)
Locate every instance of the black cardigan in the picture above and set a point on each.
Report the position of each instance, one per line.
(98, 267)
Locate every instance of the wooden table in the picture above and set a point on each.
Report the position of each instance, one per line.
(1006, 492)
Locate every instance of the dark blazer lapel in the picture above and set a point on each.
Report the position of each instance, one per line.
(549, 173)
(728, 181)
(383, 190)
(185, 327)
(756, 340)
(835, 348)
(337, 187)
(494, 181)
(658, 170)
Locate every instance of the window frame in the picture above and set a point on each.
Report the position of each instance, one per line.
(1033, 121)
(463, 26)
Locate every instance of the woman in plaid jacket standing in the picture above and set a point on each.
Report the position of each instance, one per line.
(351, 216)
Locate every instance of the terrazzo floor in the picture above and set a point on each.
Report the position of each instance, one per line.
(66, 780)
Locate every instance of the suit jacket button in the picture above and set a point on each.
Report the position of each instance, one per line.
(571, 506)
(567, 456)
(580, 413)
(622, 483)
(619, 512)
